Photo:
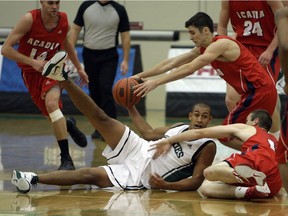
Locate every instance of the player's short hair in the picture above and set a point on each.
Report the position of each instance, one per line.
(200, 20)
(264, 118)
(201, 105)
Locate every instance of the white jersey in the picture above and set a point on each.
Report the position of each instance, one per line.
(179, 162)
(130, 164)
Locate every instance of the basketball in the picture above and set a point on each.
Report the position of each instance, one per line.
(123, 92)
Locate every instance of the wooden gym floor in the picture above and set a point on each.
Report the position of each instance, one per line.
(27, 144)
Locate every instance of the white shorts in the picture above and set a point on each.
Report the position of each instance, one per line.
(128, 161)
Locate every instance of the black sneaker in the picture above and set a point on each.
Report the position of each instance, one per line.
(66, 163)
(96, 135)
(78, 137)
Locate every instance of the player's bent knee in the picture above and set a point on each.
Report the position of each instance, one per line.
(209, 173)
(99, 177)
(56, 115)
(204, 190)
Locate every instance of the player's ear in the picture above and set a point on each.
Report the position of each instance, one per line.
(190, 115)
(255, 121)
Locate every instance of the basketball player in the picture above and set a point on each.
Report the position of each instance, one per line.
(254, 26)
(232, 61)
(130, 165)
(282, 150)
(40, 34)
(254, 169)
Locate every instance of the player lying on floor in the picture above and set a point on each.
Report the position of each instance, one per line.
(130, 164)
(253, 173)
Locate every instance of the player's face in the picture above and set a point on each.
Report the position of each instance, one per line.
(199, 117)
(196, 36)
(51, 7)
(248, 120)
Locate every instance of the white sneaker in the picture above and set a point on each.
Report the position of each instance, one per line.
(23, 180)
(54, 68)
(249, 175)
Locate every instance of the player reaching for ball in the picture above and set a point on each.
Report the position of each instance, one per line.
(123, 92)
(130, 164)
(231, 60)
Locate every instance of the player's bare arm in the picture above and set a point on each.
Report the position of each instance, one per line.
(169, 64)
(239, 131)
(223, 18)
(267, 55)
(203, 160)
(144, 128)
(125, 41)
(21, 28)
(214, 50)
(281, 22)
(73, 57)
(74, 33)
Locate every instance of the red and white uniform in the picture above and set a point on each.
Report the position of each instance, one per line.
(39, 43)
(250, 80)
(258, 152)
(253, 21)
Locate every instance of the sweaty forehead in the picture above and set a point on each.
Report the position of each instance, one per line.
(201, 109)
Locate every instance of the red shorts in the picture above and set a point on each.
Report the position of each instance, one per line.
(38, 86)
(282, 148)
(263, 98)
(274, 67)
(261, 161)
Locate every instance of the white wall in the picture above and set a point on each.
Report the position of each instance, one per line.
(156, 15)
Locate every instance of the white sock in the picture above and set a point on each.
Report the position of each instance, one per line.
(240, 192)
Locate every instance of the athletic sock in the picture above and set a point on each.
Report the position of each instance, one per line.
(240, 192)
(64, 148)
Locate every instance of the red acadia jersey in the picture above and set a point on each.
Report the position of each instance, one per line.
(261, 140)
(39, 43)
(245, 74)
(253, 21)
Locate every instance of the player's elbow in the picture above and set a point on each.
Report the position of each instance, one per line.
(4, 50)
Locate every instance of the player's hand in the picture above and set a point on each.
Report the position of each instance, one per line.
(38, 65)
(84, 77)
(161, 147)
(124, 68)
(157, 182)
(142, 89)
(265, 58)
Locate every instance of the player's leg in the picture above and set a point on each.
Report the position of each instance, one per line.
(94, 176)
(38, 86)
(283, 168)
(111, 129)
(221, 179)
(232, 97)
(220, 172)
(282, 150)
(59, 126)
(223, 190)
(91, 175)
(276, 120)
